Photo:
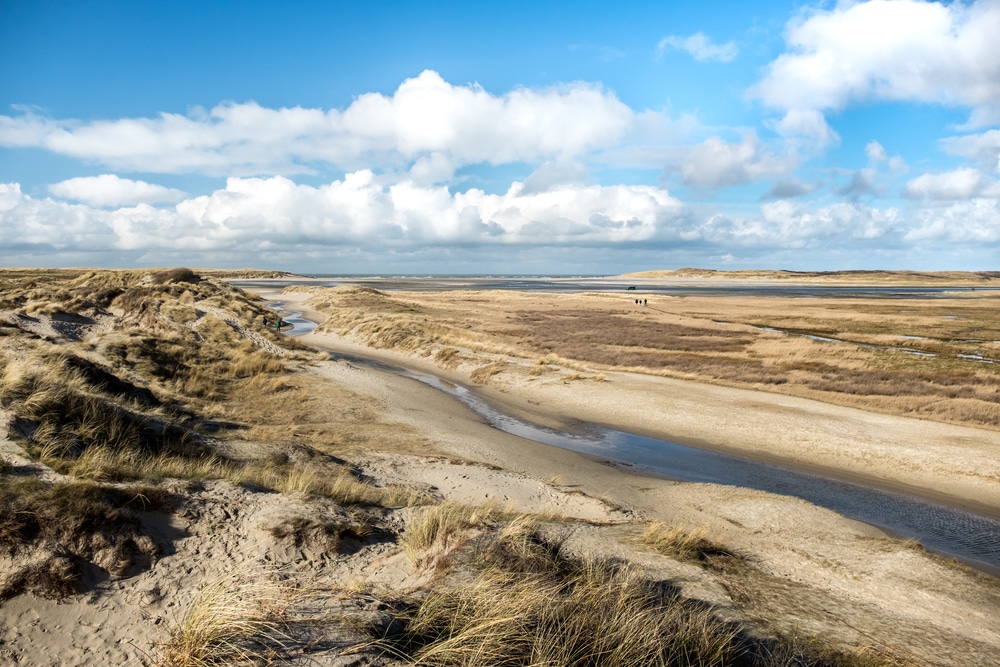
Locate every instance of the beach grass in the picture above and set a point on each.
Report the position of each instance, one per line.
(64, 525)
(118, 383)
(242, 618)
(529, 602)
(930, 358)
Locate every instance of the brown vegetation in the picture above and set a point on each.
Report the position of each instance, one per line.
(531, 603)
(119, 384)
(62, 529)
(931, 358)
(129, 376)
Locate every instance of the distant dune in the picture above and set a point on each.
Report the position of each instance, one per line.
(851, 277)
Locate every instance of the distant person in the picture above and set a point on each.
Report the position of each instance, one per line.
(645, 302)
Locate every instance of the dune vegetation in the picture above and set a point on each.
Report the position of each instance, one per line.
(136, 400)
(935, 359)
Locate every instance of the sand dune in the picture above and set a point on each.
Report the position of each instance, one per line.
(269, 526)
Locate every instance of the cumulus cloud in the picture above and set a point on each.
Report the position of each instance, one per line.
(553, 174)
(426, 120)
(716, 163)
(807, 124)
(790, 189)
(963, 183)
(700, 47)
(44, 225)
(263, 213)
(863, 183)
(110, 190)
(970, 222)
(890, 50)
(360, 215)
(876, 152)
(984, 148)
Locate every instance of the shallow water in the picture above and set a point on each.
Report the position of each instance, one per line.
(300, 325)
(971, 537)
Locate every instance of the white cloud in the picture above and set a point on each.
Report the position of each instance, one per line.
(875, 152)
(553, 174)
(895, 50)
(982, 148)
(359, 215)
(110, 190)
(700, 47)
(797, 226)
(427, 121)
(809, 124)
(972, 222)
(28, 224)
(790, 188)
(255, 214)
(716, 163)
(863, 182)
(963, 183)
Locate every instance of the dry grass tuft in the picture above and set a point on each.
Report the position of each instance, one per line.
(331, 532)
(675, 541)
(179, 275)
(530, 605)
(240, 619)
(69, 526)
(445, 526)
(526, 602)
(340, 484)
(483, 374)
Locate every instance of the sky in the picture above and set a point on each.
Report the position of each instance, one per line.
(582, 138)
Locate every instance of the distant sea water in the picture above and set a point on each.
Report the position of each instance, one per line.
(599, 283)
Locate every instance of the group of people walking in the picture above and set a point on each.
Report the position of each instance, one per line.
(278, 323)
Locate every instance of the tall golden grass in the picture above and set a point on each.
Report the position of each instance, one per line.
(530, 603)
(900, 356)
(241, 618)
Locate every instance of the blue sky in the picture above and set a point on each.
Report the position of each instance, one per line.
(586, 138)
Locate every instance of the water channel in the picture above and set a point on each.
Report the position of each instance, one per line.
(969, 536)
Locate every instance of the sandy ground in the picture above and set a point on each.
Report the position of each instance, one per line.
(818, 572)
(812, 572)
(955, 464)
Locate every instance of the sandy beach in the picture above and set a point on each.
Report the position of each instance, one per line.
(798, 544)
(791, 569)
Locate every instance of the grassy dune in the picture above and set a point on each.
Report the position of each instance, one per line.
(119, 380)
(127, 390)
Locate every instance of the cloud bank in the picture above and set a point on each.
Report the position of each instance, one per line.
(426, 123)
(357, 213)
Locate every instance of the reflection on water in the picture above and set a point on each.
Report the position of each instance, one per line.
(972, 537)
(300, 325)
(611, 284)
